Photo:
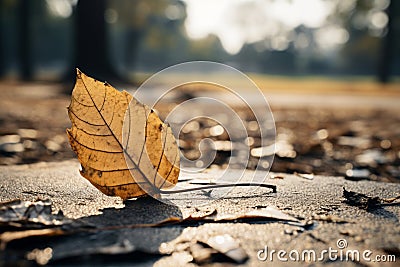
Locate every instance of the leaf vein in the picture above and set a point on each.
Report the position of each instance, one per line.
(170, 170)
(162, 154)
(80, 103)
(94, 149)
(92, 134)
(92, 124)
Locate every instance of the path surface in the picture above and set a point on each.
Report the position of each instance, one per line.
(292, 99)
(318, 200)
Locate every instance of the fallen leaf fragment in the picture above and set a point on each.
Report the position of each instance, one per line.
(41, 256)
(7, 237)
(361, 200)
(27, 214)
(107, 246)
(228, 246)
(277, 176)
(390, 200)
(212, 215)
(124, 148)
(256, 214)
(207, 249)
(366, 202)
(308, 176)
(198, 214)
(200, 253)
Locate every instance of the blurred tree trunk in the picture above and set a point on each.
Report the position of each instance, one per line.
(2, 52)
(25, 39)
(387, 49)
(131, 48)
(91, 45)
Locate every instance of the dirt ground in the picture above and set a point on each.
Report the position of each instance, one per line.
(355, 141)
(95, 229)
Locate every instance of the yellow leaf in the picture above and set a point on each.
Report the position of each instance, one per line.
(124, 148)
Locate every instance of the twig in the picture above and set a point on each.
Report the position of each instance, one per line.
(273, 187)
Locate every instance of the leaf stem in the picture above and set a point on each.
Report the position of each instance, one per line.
(273, 187)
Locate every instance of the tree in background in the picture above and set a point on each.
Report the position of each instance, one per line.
(91, 41)
(389, 42)
(372, 37)
(150, 35)
(113, 38)
(25, 40)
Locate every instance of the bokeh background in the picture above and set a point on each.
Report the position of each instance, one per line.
(44, 39)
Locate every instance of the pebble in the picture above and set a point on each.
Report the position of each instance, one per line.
(28, 133)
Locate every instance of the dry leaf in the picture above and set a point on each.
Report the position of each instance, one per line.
(201, 254)
(26, 214)
(7, 237)
(266, 213)
(308, 176)
(128, 159)
(366, 202)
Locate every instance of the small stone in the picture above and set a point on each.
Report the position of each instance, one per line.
(12, 138)
(52, 146)
(217, 130)
(359, 142)
(12, 147)
(386, 144)
(28, 133)
(322, 134)
(357, 174)
(371, 157)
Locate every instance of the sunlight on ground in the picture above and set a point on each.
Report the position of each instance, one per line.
(312, 84)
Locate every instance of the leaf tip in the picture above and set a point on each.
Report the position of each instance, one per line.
(78, 72)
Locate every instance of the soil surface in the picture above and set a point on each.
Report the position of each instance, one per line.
(304, 214)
